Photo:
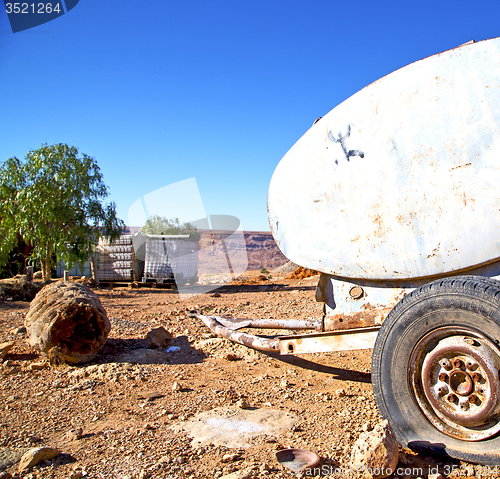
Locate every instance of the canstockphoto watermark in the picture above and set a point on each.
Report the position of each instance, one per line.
(350, 471)
(25, 15)
(336, 471)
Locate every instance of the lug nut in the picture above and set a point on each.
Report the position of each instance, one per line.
(464, 404)
(443, 377)
(473, 399)
(471, 365)
(458, 363)
(445, 363)
(452, 398)
(476, 377)
(442, 390)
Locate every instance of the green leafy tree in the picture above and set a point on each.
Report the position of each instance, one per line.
(159, 225)
(54, 200)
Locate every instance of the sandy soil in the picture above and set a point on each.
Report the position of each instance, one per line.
(133, 405)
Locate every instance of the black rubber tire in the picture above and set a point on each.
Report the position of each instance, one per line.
(469, 302)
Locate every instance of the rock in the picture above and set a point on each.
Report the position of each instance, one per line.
(375, 454)
(242, 474)
(340, 393)
(74, 434)
(11, 455)
(368, 426)
(159, 338)
(36, 456)
(67, 322)
(12, 370)
(60, 383)
(38, 366)
(5, 475)
(33, 439)
(38, 275)
(231, 357)
(5, 348)
(19, 330)
(230, 457)
(176, 387)
(18, 287)
(243, 404)
(150, 395)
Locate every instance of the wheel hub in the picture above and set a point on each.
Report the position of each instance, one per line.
(455, 380)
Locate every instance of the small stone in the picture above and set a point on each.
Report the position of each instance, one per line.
(38, 366)
(76, 475)
(231, 357)
(144, 475)
(75, 434)
(368, 426)
(159, 337)
(230, 457)
(19, 330)
(12, 370)
(435, 476)
(5, 347)
(340, 393)
(33, 439)
(5, 475)
(148, 427)
(60, 383)
(243, 404)
(176, 387)
(36, 456)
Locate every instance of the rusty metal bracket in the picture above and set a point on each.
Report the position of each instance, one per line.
(344, 340)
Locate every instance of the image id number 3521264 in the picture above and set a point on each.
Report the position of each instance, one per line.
(44, 7)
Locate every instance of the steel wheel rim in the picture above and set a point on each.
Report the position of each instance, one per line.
(454, 379)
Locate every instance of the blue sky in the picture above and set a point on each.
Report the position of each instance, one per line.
(162, 91)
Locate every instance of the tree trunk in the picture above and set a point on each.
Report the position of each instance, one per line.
(67, 322)
(46, 266)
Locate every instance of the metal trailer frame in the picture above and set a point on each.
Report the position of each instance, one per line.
(354, 311)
